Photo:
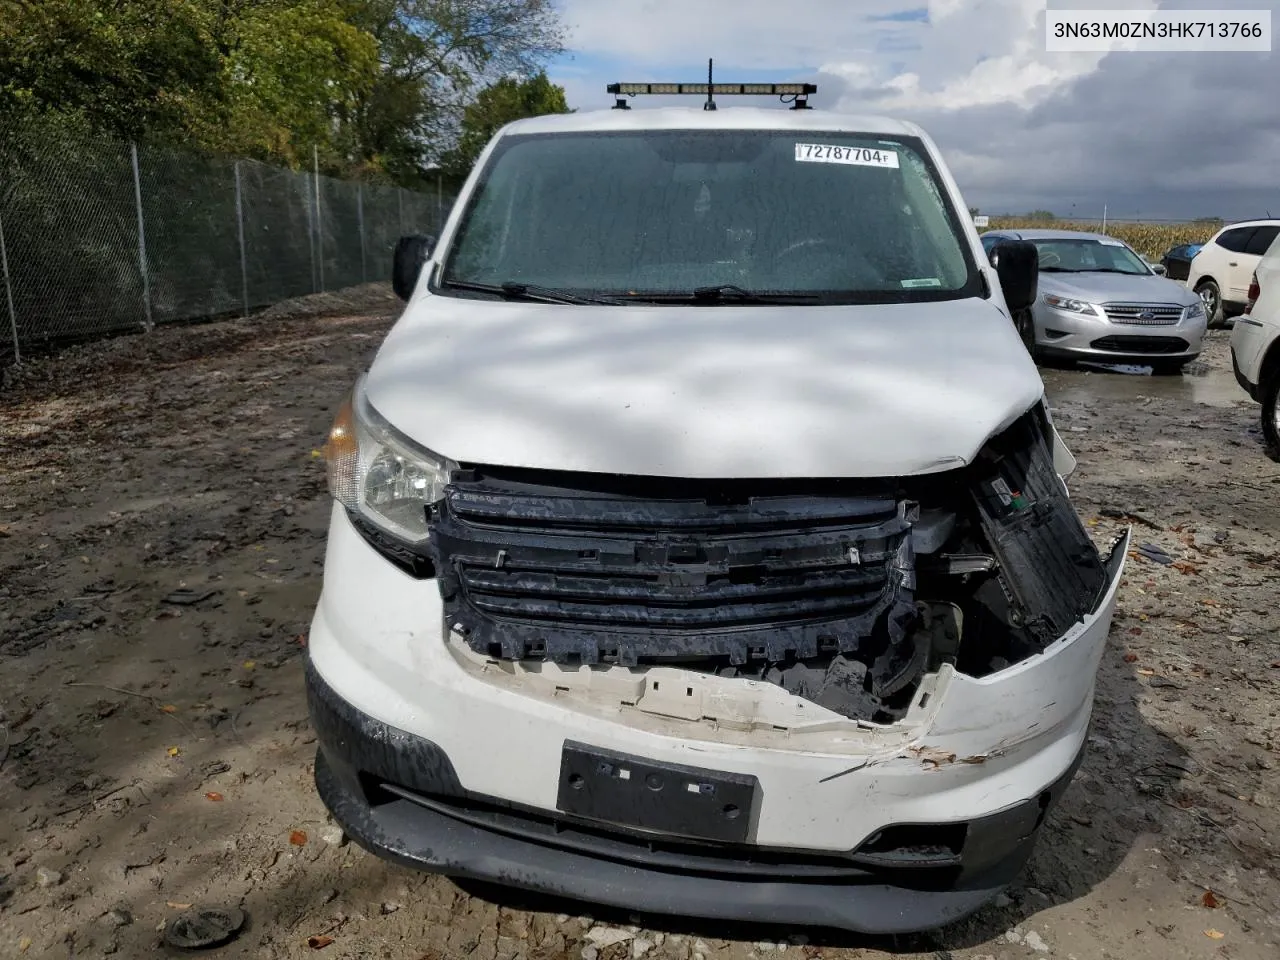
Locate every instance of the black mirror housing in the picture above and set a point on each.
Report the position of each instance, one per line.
(406, 263)
(1017, 264)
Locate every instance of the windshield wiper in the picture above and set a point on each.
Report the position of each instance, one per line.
(1059, 270)
(529, 292)
(1124, 273)
(726, 293)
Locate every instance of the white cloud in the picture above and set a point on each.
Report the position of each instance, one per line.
(1157, 134)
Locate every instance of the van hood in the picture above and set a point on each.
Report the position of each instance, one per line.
(704, 391)
(1116, 288)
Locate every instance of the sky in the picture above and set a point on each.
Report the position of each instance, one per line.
(1148, 135)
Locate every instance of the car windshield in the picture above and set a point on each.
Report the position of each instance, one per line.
(746, 215)
(1085, 255)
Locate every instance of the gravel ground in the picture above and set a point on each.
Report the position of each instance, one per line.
(157, 754)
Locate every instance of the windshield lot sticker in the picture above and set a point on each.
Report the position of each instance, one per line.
(854, 156)
(922, 282)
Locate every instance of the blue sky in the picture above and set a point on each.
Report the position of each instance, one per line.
(1153, 135)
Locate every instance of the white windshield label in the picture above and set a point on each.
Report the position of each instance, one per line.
(922, 282)
(854, 156)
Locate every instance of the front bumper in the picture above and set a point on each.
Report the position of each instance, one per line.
(431, 822)
(1077, 337)
(454, 766)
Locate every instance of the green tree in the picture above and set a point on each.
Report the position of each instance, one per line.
(378, 87)
(434, 55)
(494, 107)
(1040, 215)
(124, 67)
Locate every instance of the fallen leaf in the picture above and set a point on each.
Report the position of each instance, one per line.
(173, 751)
(214, 796)
(1130, 658)
(323, 940)
(316, 454)
(298, 838)
(1209, 900)
(250, 664)
(25, 943)
(301, 639)
(169, 708)
(178, 906)
(1135, 631)
(1275, 663)
(1214, 934)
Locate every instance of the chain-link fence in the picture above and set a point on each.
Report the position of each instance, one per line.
(99, 236)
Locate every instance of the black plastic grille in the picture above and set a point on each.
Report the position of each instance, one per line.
(1152, 345)
(578, 569)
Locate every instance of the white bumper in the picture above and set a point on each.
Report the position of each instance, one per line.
(973, 747)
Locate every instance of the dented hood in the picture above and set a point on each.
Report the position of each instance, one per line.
(707, 391)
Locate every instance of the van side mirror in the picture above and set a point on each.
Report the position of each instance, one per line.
(1159, 269)
(406, 263)
(1017, 264)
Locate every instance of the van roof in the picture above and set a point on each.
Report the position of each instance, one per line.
(724, 118)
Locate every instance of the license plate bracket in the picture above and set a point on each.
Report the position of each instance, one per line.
(654, 796)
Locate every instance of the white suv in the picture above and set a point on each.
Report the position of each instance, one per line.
(699, 540)
(1255, 344)
(1221, 271)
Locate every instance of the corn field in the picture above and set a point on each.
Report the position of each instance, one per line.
(1149, 239)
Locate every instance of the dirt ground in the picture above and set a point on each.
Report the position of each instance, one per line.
(157, 754)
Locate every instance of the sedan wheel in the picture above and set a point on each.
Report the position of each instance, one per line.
(1211, 296)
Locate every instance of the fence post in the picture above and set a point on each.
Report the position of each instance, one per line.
(315, 153)
(244, 263)
(8, 292)
(142, 237)
(307, 194)
(364, 276)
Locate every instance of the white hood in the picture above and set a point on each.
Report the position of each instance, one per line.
(704, 392)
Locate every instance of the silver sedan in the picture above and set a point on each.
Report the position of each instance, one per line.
(1100, 301)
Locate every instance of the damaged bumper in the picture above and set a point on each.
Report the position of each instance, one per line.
(429, 821)
(446, 758)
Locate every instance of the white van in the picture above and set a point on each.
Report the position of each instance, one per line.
(700, 542)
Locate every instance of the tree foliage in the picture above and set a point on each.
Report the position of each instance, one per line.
(375, 87)
(494, 107)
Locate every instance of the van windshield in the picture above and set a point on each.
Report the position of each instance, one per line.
(823, 217)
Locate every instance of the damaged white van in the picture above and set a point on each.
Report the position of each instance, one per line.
(700, 543)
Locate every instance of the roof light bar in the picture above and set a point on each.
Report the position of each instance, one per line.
(798, 92)
(718, 89)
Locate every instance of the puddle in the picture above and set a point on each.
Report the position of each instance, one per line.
(1093, 382)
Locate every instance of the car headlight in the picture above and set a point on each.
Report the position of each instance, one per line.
(1193, 310)
(379, 474)
(1069, 305)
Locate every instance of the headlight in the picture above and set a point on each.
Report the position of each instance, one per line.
(379, 474)
(1193, 310)
(1069, 305)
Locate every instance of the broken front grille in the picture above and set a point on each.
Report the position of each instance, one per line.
(590, 569)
